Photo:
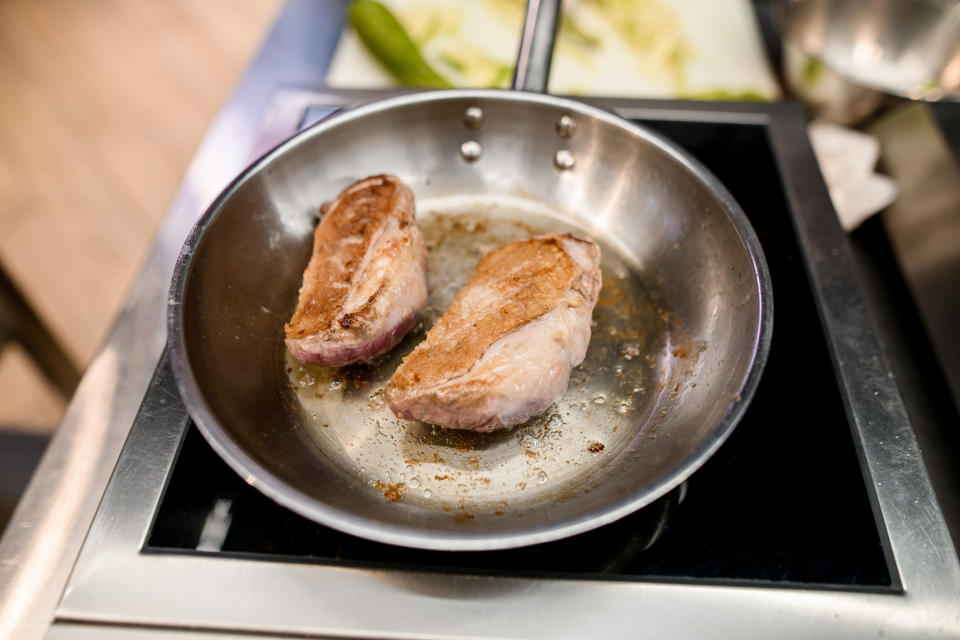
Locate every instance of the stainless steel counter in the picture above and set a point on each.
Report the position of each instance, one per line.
(40, 549)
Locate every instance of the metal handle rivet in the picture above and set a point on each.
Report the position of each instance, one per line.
(566, 127)
(564, 160)
(471, 150)
(473, 117)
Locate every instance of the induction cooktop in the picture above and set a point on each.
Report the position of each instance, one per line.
(783, 501)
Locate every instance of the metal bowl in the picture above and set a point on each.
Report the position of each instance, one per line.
(842, 58)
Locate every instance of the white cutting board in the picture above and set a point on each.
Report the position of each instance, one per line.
(622, 49)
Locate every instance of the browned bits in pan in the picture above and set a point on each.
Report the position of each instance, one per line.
(392, 492)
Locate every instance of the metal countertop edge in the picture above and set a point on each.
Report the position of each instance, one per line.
(44, 536)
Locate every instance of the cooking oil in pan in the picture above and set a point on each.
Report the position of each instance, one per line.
(508, 472)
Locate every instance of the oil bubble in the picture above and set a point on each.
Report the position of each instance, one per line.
(413, 483)
(427, 493)
(541, 477)
(622, 408)
(335, 383)
(307, 380)
(376, 400)
(600, 399)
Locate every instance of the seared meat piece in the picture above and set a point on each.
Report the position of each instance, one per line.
(365, 284)
(504, 349)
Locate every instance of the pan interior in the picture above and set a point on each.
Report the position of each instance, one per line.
(513, 471)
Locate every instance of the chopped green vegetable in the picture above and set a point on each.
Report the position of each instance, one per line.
(571, 31)
(433, 27)
(812, 71)
(390, 44)
(726, 94)
(503, 77)
(654, 30)
(470, 66)
(454, 63)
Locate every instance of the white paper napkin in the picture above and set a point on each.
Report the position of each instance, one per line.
(847, 159)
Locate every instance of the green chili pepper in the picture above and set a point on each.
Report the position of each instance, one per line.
(390, 44)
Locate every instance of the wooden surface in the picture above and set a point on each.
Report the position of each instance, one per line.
(102, 104)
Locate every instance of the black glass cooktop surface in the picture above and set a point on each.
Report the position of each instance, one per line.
(783, 501)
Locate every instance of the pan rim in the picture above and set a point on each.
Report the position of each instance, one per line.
(383, 531)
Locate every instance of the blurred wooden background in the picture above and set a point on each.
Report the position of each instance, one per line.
(102, 104)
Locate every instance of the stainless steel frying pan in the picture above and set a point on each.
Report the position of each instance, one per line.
(679, 339)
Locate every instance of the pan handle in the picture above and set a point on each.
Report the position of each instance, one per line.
(536, 46)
